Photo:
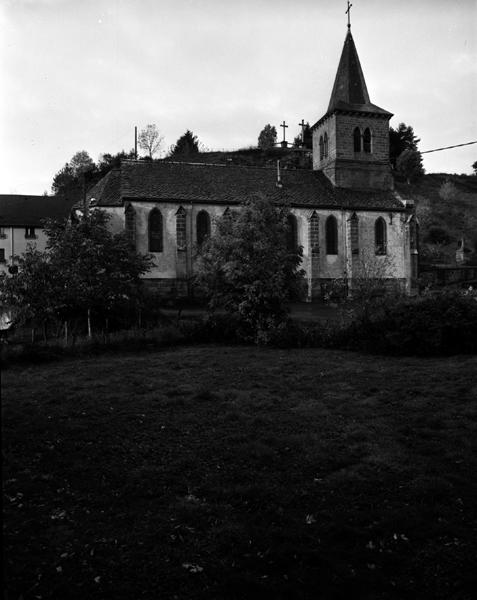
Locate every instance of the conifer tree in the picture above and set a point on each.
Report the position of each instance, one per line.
(186, 146)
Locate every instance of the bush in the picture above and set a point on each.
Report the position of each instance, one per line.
(438, 235)
(444, 323)
(218, 329)
(131, 340)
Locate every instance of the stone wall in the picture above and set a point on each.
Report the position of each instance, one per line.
(175, 266)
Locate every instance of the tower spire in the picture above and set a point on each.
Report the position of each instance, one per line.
(348, 12)
(350, 85)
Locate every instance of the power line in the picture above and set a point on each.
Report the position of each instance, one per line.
(448, 147)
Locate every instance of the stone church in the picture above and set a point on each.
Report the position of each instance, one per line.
(344, 211)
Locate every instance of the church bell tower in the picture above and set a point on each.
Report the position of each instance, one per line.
(351, 141)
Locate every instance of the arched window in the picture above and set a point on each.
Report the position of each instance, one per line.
(155, 231)
(325, 145)
(203, 226)
(181, 238)
(130, 223)
(357, 139)
(380, 236)
(292, 233)
(322, 148)
(331, 235)
(367, 140)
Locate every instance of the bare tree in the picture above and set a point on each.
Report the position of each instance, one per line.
(150, 140)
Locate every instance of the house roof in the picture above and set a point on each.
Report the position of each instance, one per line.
(229, 184)
(350, 93)
(29, 211)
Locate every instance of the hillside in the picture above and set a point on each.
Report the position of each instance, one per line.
(295, 158)
(446, 207)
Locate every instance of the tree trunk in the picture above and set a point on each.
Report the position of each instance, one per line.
(89, 323)
(32, 335)
(66, 333)
(45, 337)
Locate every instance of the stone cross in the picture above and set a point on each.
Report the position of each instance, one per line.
(284, 125)
(348, 12)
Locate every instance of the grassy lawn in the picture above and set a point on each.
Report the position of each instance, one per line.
(220, 472)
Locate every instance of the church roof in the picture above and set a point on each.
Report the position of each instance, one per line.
(349, 90)
(228, 185)
(29, 211)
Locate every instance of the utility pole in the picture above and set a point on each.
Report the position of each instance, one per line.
(83, 191)
(135, 142)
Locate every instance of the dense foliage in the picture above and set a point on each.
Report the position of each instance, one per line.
(247, 269)
(409, 165)
(187, 146)
(304, 140)
(439, 323)
(80, 173)
(400, 139)
(267, 137)
(71, 178)
(84, 270)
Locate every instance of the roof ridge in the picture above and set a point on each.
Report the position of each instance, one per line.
(200, 164)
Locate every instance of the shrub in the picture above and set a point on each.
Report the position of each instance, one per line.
(444, 323)
(131, 340)
(438, 235)
(219, 329)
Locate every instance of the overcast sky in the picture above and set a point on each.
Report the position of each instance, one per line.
(79, 75)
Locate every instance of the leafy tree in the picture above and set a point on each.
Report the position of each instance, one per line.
(70, 179)
(247, 269)
(81, 163)
(474, 166)
(108, 161)
(150, 140)
(186, 146)
(409, 165)
(64, 181)
(400, 139)
(267, 137)
(307, 141)
(30, 293)
(85, 269)
(96, 270)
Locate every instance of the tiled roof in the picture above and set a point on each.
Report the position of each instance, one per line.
(217, 184)
(349, 90)
(107, 189)
(23, 211)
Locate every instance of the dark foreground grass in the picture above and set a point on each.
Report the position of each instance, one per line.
(215, 472)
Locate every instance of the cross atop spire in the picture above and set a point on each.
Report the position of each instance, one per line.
(349, 90)
(348, 12)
